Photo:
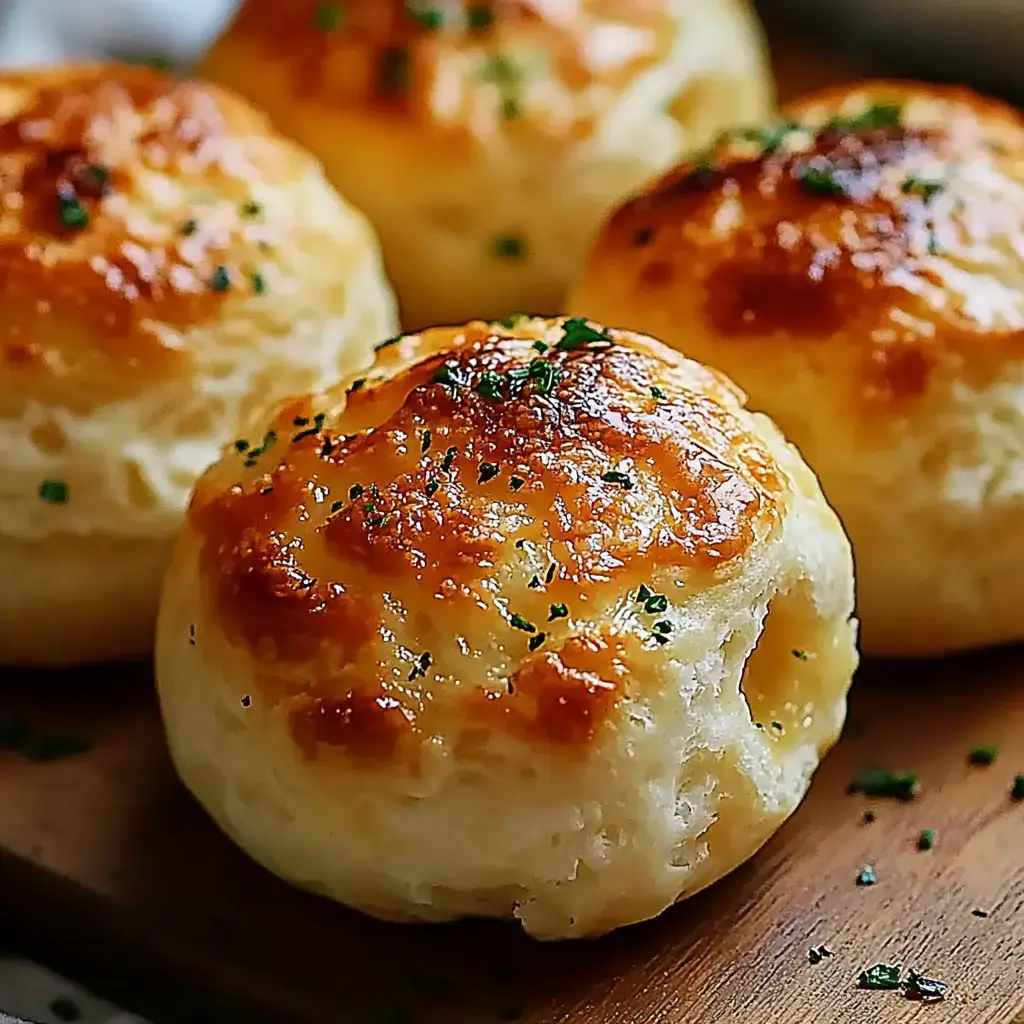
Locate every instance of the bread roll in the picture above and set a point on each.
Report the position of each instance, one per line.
(535, 622)
(487, 140)
(861, 275)
(167, 265)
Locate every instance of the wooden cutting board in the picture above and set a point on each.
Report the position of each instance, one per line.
(109, 872)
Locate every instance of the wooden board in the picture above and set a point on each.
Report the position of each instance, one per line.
(109, 867)
(110, 872)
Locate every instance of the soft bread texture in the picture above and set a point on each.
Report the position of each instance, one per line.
(862, 277)
(554, 635)
(486, 141)
(168, 265)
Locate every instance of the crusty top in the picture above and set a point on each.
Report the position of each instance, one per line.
(128, 200)
(556, 64)
(887, 217)
(467, 521)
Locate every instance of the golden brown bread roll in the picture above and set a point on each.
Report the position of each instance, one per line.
(487, 140)
(168, 265)
(535, 621)
(862, 277)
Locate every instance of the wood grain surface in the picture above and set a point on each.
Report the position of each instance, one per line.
(109, 871)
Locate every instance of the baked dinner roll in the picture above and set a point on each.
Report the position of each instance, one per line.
(477, 635)
(486, 141)
(168, 265)
(861, 275)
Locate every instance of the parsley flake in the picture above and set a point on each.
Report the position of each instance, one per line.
(879, 115)
(1017, 789)
(656, 392)
(259, 283)
(425, 439)
(615, 477)
(450, 376)
(221, 279)
(982, 757)
(190, 227)
(431, 489)
(429, 16)
(337, 506)
(422, 663)
(252, 208)
(328, 17)
(656, 603)
(552, 569)
(355, 491)
(54, 491)
(867, 876)
(917, 986)
(881, 976)
(449, 458)
(510, 108)
(490, 386)
(488, 471)
(800, 655)
(643, 593)
(547, 375)
(479, 16)
(540, 346)
(242, 445)
(919, 187)
(577, 332)
(508, 247)
(536, 641)
(516, 482)
(879, 782)
(518, 622)
(246, 700)
(512, 319)
(269, 440)
(926, 840)
(72, 213)
(821, 181)
(558, 611)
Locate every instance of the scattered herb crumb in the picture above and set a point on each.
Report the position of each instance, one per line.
(982, 757)
(821, 181)
(926, 840)
(252, 208)
(643, 593)
(818, 953)
(867, 876)
(536, 641)
(508, 247)
(247, 701)
(516, 482)
(917, 986)
(259, 282)
(221, 279)
(883, 783)
(881, 976)
(54, 491)
(72, 213)
(919, 187)
(479, 16)
(1017, 789)
(577, 332)
(656, 392)
(800, 655)
(615, 477)
(518, 622)
(190, 227)
(558, 611)
(655, 604)
(488, 471)
(420, 666)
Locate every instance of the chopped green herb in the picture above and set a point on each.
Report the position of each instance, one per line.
(926, 840)
(655, 604)
(449, 458)
(643, 593)
(536, 641)
(516, 482)
(552, 569)
(355, 491)
(534, 582)
(72, 213)
(917, 986)
(933, 244)
(1017, 789)
(821, 181)
(615, 477)
(431, 489)
(328, 17)
(577, 332)
(479, 16)
(95, 176)
(518, 622)
(656, 392)
(818, 953)
(190, 227)
(879, 782)
(395, 70)
(388, 342)
(976, 912)
(880, 115)
(425, 439)
(269, 440)
(664, 626)
(769, 139)
(512, 319)
(982, 757)
(490, 385)
(357, 385)
(252, 208)
(510, 108)
(259, 283)
(777, 726)
(65, 1009)
(558, 611)
(867, 876)
(54, 491)
(547, 375)
(800, 655)
(509, 247)
(337, 506)
(540, 346)
(488, 471)
(246, 700)
(881, 976)
(919, 187)
(300, 421)
(450, 376)
(221, 279)
(428, 15)
(243, 445)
